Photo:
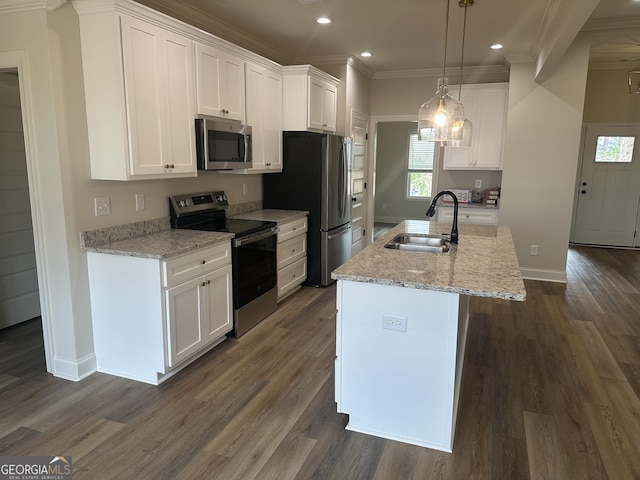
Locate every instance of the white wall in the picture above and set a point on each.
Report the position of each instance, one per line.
(60, 179)
(541, 159)
(607, 98)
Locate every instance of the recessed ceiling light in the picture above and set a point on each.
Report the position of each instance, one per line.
(366, 54)
(323, 20)
(496, 46)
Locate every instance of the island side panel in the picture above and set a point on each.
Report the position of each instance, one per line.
(397, 384)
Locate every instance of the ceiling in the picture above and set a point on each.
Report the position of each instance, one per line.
(409, 34)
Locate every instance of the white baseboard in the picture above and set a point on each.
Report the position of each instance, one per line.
(74, 370)
(542, 275)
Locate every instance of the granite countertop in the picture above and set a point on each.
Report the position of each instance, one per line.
(149, 239)
(270, 215)
(483, 264)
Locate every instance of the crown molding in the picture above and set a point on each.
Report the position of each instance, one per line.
(612, 24)
(13, 6)
(336, 60)
(482, 70)
(625, 66)
(548, 17)
(204, 21)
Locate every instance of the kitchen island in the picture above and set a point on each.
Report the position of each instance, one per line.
(401, 329)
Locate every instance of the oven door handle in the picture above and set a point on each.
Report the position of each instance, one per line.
(254, 237)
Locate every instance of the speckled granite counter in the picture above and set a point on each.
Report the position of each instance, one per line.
(483, 264)
(149, 239)
(271, 215)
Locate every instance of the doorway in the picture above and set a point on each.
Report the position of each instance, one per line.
(19, 297)
(608, 194)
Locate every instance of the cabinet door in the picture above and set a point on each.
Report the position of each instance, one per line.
(141, 50)
(329, 105)
(207, 81)
(491, 114)
(179, 104)
(218, 311)
(232, 87)
(184, 304)
(316, 104)
(255, 106)
(485, 107)
(264, 115)
(463, 157)
(219, 83)
(273, 121)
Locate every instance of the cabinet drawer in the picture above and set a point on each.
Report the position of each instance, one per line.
(291, 229)
(291, 250)
(292, 276)
(477, 216)
(199, 262)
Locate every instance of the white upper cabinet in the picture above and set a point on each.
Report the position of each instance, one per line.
(264, 115)
(219, 83)
(138, 80)
(486, 107)
(310, 99)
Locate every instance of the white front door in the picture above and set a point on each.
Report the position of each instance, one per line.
(609, 187)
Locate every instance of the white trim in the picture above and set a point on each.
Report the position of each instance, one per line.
(544, 275)
(18, 60)
(70, 369)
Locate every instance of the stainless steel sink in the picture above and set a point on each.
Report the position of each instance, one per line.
(420, 242)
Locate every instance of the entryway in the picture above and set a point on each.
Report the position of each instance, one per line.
(608, 203)
(19, 298)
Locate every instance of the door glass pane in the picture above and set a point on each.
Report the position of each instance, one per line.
(614, 149)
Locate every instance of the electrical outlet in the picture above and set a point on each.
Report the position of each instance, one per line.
(101, 206)
(139, 201)
(384, 206)
(245, 190)
(391, 322)
(533, 250)
(478, 183)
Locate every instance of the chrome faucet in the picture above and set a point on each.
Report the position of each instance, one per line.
(432, 210)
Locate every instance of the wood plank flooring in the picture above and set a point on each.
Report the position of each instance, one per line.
(551, 390)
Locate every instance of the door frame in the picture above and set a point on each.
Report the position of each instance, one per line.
(17, 61)
(370, 174)
(583, 140)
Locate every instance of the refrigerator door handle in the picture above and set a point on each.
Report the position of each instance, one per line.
(343, 181)
(339, 231)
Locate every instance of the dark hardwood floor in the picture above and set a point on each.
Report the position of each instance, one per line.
(551, 390)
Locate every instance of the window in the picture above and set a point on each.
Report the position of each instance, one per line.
(420, 167)
(614, 149)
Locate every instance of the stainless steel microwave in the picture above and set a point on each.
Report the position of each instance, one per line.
(222, 145)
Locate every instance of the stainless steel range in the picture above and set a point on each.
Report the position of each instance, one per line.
(253, 253)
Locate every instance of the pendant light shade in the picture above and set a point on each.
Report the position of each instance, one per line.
(436, 116)
(441, 118)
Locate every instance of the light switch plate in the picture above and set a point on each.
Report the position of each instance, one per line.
(101, 206)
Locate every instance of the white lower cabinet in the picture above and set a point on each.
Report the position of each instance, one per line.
(152, 317)
(291, 256)
(482, 216)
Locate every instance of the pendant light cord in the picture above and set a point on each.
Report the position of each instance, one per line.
(446, 34)
(464, 30)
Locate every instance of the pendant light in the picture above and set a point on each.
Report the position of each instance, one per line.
(462, 129)
(436, 116)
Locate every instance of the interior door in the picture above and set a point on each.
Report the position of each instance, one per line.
(609, 187)
(357, 179)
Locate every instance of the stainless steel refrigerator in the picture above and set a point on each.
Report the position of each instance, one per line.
(315, 177)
